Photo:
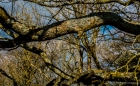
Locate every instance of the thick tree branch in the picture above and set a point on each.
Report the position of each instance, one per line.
(77, 25)
(101, 75)
(71, 2)
(97, 77)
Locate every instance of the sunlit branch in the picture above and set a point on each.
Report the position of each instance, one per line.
(47, 61)
(72, 2)
(77, 25)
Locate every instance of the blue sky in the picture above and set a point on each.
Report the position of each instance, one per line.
(4, 35)
(6, 6)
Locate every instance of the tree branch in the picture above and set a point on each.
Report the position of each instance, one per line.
(99, 76)
(47, 61)
(77, 25)
(71, 2)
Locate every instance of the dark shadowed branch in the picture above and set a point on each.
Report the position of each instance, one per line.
(77, 25)
(56, 3)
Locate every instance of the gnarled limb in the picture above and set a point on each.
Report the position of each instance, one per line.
(72, 2)
(98, 77)
(28, 34)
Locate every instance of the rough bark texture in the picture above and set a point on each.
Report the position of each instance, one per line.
(78, 25)
(65, 3)
(6, 75)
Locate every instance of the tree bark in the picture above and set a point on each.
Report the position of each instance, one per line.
(77, 25)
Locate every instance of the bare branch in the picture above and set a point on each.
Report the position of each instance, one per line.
(71, 2)
(77, 25)
(47, 61)
(99, 76)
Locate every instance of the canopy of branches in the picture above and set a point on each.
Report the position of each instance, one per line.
(69, 42)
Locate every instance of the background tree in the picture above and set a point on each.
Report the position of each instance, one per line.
(70, 42)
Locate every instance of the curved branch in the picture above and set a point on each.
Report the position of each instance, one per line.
(71, 2)
(77, 25)
(97, 77)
